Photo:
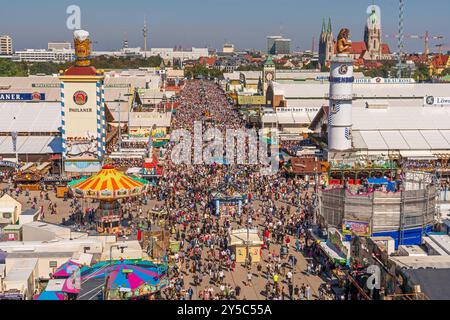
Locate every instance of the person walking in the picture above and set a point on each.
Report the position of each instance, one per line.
(249, 278)
(308, 292)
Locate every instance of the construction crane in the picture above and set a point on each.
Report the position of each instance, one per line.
(441, 47)
(426, 37)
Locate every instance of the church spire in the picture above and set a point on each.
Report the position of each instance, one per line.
(329, 31)
(323, 26)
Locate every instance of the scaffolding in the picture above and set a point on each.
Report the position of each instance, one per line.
(414, 207)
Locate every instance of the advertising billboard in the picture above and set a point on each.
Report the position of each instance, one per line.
(34, 96)
(251, 100)
(436, 101)
(357, 228)
(82, 121)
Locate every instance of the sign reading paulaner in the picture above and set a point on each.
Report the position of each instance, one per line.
(81, 136)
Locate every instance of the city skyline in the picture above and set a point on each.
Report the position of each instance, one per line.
(211, 23)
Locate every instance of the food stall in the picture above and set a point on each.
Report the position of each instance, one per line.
(239, 243)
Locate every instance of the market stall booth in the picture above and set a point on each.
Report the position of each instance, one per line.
(28, 180)
(10, 210)
(241, 239)
(109, 186)
(227, 201)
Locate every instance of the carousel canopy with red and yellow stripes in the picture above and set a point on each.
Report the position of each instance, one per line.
(109, 184)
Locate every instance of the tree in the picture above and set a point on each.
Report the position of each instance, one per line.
(9, 68)
(45, 68)
(250, 67)
(201, 70)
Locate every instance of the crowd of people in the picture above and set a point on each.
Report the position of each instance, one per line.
(125, 162)
(280, 207)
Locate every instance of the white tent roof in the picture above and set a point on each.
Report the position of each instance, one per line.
(30, 117)
(32, 145)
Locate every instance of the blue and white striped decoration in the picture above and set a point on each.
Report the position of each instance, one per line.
(337, 107)
(330, 119)
(347, 134)
(103, 120)
(99, 121)
(63, 121)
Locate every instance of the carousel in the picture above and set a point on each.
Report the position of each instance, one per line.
(109, 186)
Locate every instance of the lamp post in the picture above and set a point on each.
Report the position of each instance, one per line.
(172, 101)
(164, 102)
(128, 110)
(119, 247)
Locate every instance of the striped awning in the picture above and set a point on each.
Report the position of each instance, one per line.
(109, 184)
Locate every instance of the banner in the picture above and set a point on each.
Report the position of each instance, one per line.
(357, 228)
(35, 96)
(251, 100)
(379, 80)
(159, 133)
(436, 101)
(9, 164)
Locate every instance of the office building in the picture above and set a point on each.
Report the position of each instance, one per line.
(42, 55)
(6, 45)
(60, 45)
(278, 45)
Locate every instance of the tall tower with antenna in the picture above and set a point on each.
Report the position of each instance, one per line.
(145, 34)
(125, 42)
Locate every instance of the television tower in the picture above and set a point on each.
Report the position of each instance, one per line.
(145, 33)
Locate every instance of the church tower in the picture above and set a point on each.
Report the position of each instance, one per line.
(373, 33)
(326, 45)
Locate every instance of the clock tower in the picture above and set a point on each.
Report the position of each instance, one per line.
(269, 72)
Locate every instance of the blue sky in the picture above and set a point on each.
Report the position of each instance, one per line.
(33, 23)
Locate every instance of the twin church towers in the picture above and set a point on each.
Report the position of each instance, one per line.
(370, 49)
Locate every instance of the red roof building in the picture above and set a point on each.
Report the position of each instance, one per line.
(207, 61)
(385, 49)
(358, 48)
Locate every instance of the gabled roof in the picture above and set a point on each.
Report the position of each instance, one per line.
(81, 71)
(207, 61)
(358, 47)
